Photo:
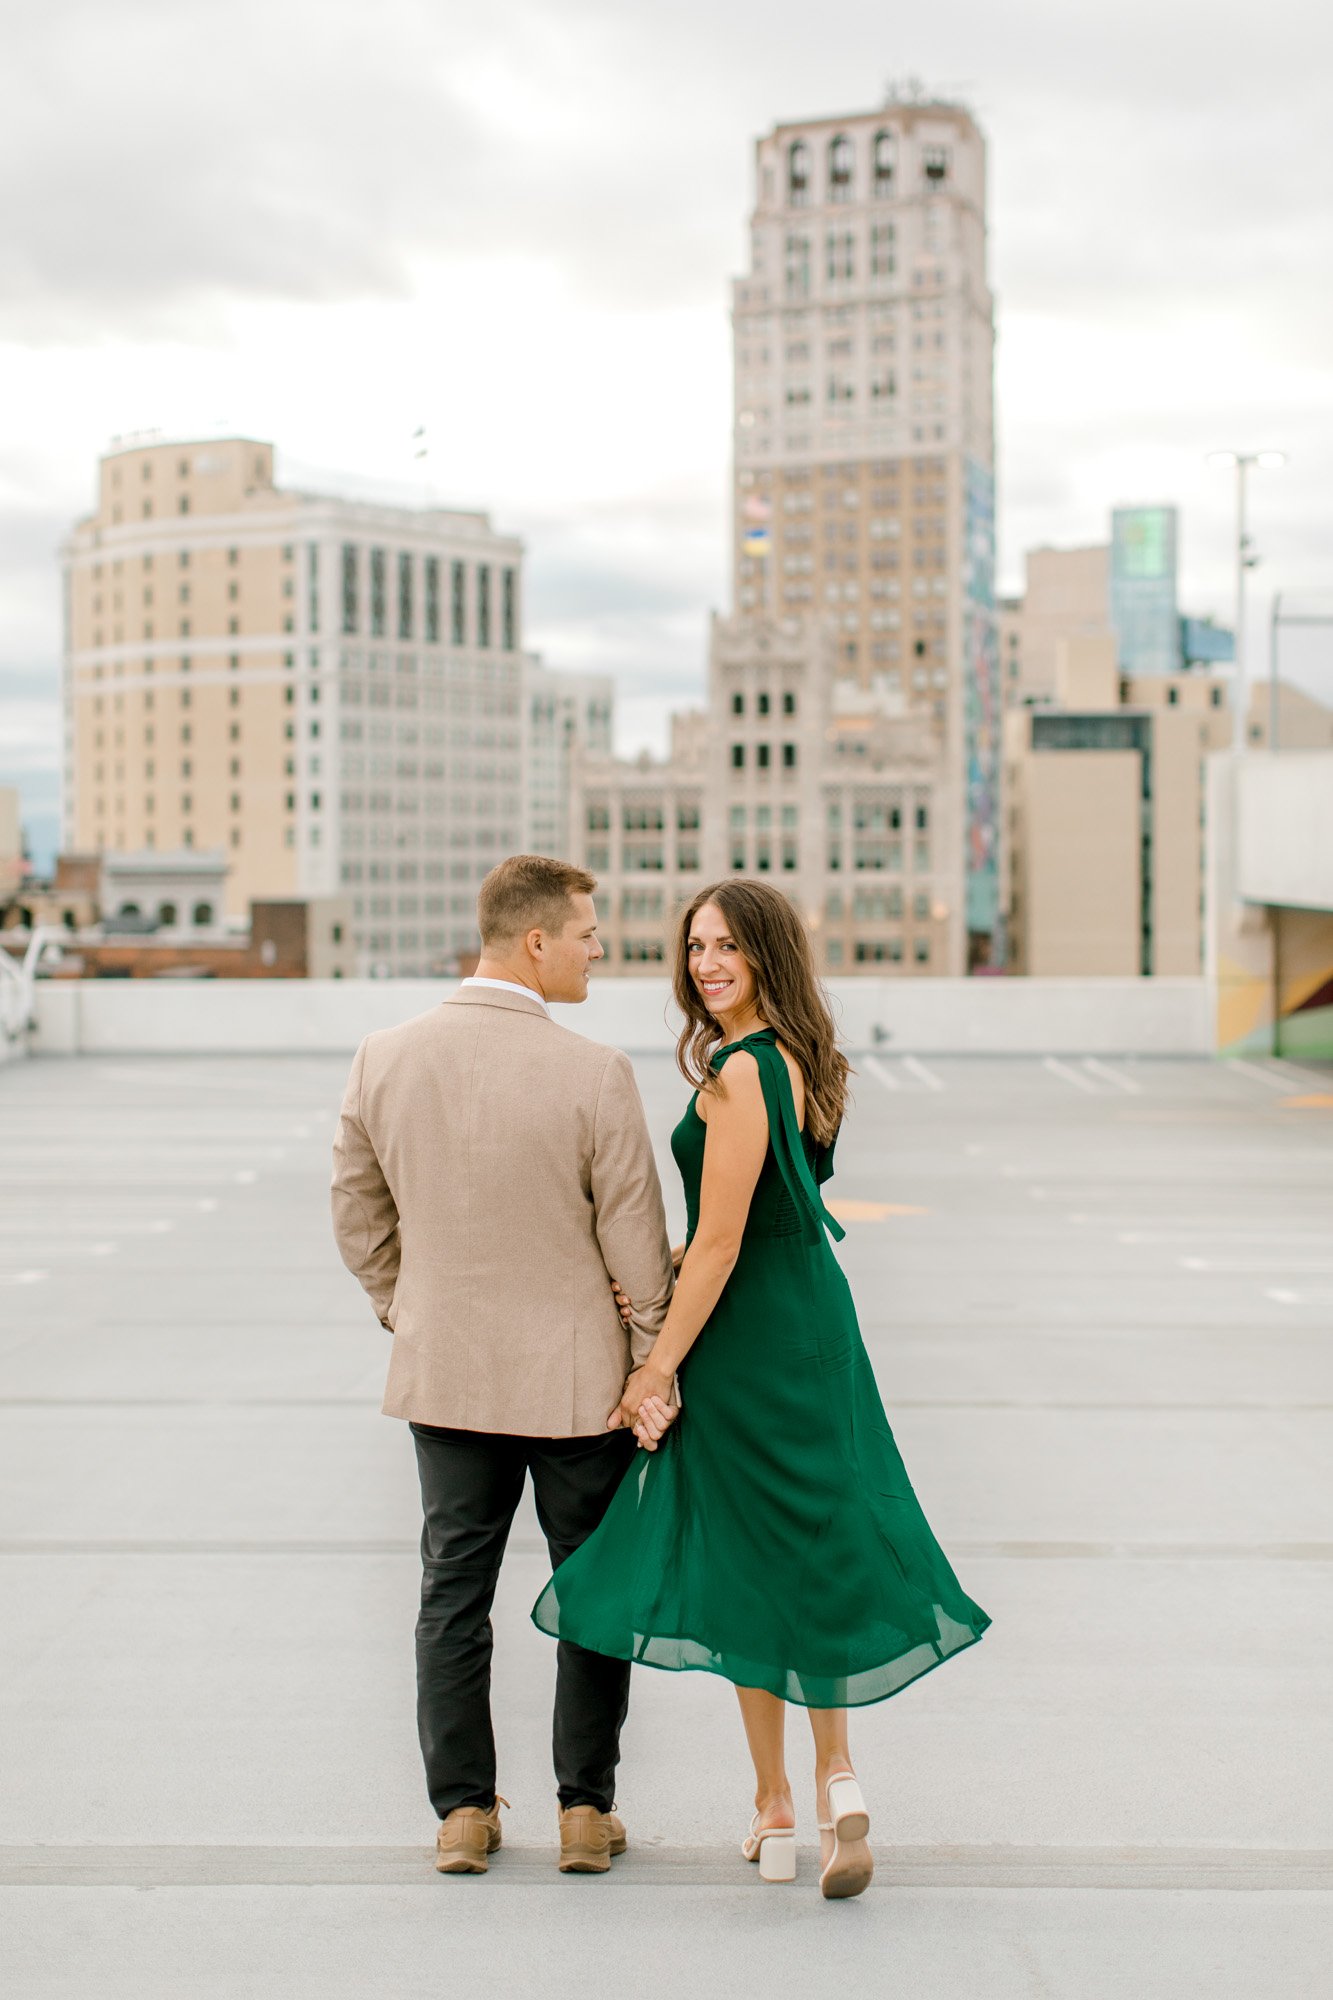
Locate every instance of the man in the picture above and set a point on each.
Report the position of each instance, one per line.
(492, 1172)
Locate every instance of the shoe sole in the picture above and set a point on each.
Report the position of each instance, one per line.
(849, 1872)
(467, 1864)
(590, 1860)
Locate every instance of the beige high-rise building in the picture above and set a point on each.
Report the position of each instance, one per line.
(864, 490)
(1066, 595)
(327, 690)
(794, 774)
(1105, 849)
(565, 717)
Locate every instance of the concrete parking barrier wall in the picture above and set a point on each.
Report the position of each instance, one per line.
(913, 1016)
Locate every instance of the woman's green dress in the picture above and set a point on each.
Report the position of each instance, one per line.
(774, 1536)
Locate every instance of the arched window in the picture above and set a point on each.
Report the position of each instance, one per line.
(798, 174)
(203, 913)
(128, 910)
(166, 913)
(886, 151)
(840, 168)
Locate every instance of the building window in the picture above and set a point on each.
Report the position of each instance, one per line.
(840, 168)
(798, 267)
(404, 595)
(761, 756)
(457, 605)
(883, 261)
(349, 568)
(203, 914)
(312, 587)
(377, 607)
(738, 756)
(508, 610)
(935, 164)
(921, 951)
(789, 703)
(839, 255)
(798, 174)
(762, 704)
(432, 631)
(738, 704)
(789, 756)
(885, 158)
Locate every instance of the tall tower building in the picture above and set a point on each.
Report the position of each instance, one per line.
(326, 690)
(864, 447)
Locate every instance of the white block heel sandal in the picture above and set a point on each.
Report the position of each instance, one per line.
(850, 1865)
(774, 1848)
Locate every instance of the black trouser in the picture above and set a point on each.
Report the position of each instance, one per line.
(471, 1483)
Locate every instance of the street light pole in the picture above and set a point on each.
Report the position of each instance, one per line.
(1245, 559)
(1241, 725)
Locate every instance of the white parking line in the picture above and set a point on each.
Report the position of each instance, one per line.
(1234, 1267)
(1260, 1075)
(882, 1075)
(1068, 1075)
(1125, 1083)
(1273, 1239)
(918, 1069)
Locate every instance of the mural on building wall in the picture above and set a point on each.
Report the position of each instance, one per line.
(1300, 942)
(981, 708)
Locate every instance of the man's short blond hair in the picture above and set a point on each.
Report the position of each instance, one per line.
(528, 892)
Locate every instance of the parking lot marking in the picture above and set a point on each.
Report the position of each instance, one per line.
(926, 1076)
(1069, 1075)
(1122, 1082)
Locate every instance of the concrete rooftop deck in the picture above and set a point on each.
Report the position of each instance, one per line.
(1099, 1297)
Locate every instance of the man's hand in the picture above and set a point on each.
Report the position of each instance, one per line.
(647, 1406)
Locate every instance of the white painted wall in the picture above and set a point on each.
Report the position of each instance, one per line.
(1284, 828)
(926, 1016)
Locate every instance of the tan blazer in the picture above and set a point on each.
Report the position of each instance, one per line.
(491, 1170)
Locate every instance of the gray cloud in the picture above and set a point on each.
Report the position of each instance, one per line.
(1154, 164)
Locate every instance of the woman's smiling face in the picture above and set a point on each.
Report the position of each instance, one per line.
(723, 979)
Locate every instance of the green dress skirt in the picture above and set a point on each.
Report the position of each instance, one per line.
(774, 1536)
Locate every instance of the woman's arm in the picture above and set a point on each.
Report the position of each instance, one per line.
(734, 1150)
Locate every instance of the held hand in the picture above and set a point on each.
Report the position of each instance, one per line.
(645, 1382)
(653, 1422)
(623, 1306)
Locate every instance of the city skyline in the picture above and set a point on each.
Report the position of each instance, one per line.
(1146, 315)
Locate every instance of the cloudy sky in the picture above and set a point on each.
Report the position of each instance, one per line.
(329, 223)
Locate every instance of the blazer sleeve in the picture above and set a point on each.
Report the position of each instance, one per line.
(365, 1215)
(627, 1202)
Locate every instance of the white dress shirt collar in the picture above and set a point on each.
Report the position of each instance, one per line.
(510, 986)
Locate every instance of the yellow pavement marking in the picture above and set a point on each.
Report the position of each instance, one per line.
(870, 1211)
(1319, 1100)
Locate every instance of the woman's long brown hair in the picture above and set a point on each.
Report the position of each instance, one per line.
(769, 934)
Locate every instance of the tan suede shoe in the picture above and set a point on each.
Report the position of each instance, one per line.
(588, 1839)
(467, 1837)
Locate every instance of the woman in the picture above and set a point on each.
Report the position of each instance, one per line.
(774, 1537)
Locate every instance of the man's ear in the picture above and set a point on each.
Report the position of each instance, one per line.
(535, 941)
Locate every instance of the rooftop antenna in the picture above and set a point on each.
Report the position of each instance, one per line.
(421, 453)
